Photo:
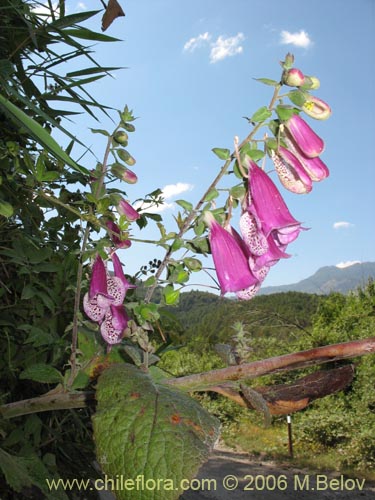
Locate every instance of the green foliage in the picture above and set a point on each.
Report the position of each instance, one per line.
(159, 432)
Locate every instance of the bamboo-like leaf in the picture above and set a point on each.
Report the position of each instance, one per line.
(87, 34)
(38, 133)
(90, 71)
(70, 20)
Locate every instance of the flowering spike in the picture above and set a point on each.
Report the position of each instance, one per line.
(231, 263)
(124, 208)
(304, 137)
(317, 108)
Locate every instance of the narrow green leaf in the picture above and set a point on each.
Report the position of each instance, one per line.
(100, 131)
(160, 433)
(90, 71)
(38, 133)
(222, 153)
(70, 20)
(40, 372)
(267, 81)
(86, 34)
(261, 114)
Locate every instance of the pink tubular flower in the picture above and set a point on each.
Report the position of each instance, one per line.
(231, 263)
(119, 273)
(291, 173)
(303, 137)
(114, 324)
(267, 205)
(104, 301)
(314, 167)
(124, 208)
(115, 235)
(317, 108)
(97, 300)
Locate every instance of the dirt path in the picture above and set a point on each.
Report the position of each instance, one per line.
(234, 476)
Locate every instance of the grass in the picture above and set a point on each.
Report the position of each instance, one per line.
(271, 443)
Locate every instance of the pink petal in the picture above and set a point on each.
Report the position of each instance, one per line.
(291, 172)
(230, 261)
(117, 290)
(304, 137)
(98, 283)
(268, 205)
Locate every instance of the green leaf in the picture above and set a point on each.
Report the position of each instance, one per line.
(40, 372)
(267, 81)
(298, 97)
(193, 264)
(15, 471)
(100, 131)
(91, 71)
(38, 133)
(211, 195)
(285, 112)
(223, 154)
(261, 114)
(238, 192)
(6, 209)
(171, 295)
(186, 205)
(87, 34)
(160, 433)
(70, 20)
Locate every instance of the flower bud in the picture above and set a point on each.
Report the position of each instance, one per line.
(124, 208)
(129, 176)
(124, 173)
(316, 108)
(121, 137)
(311, 83)
(293, 78)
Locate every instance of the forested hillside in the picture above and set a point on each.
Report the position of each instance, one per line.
(206, 319)
(277, 324)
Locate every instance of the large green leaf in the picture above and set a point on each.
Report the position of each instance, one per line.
(143, 428)
(38, 133)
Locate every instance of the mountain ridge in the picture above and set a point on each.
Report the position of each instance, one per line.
(328, 279)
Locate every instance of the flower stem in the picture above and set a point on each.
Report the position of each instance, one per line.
(189, 219)
(77, 297)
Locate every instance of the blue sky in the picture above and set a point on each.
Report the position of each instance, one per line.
(190, 79)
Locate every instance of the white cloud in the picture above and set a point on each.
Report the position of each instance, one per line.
(220, 49)
(342, 225)
(298, 39)
(197, 41)
(226, 47)
(81, 6)
(43, 10)
(348, 263)
(168, 192)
